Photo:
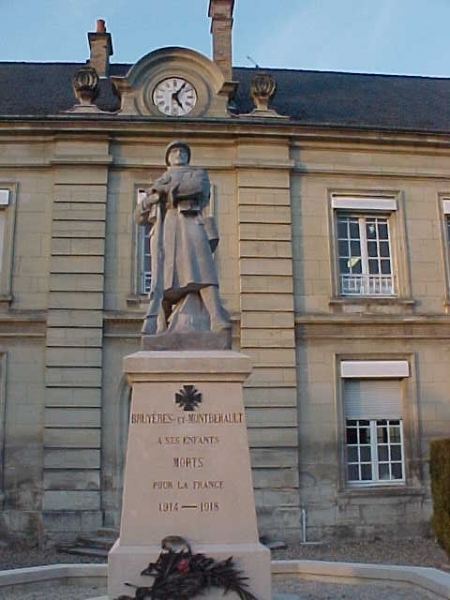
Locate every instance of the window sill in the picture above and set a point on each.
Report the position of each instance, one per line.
(371, 304)
(137, 301)
(380, 491)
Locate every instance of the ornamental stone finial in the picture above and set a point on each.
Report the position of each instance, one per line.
(86, 85)
(262, 89)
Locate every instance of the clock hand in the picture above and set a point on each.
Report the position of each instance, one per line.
(181, 88)
(175, 95)
(177, 100)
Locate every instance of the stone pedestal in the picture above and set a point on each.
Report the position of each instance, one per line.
(188, 467)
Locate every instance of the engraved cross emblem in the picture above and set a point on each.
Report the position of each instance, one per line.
(188, 398)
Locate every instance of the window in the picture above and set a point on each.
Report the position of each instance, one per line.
(364, 256)
(145, 275)
(2, 419)
(446, 211)
(374, 445)
(144, 259)
(374, 450)
(8, 194)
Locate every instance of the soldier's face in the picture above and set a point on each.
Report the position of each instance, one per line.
(178, 156)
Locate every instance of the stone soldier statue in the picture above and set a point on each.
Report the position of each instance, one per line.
(184, 293)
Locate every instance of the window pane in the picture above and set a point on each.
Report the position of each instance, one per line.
(382, 435)
(353, 472)
(397, 471)
(383, 453)
(371, 230)
(383, 230)
(383, 472)
(394, 435)
(384, 249)
(355, 248)
(373, 267)
(344, 266)
(354, 229)
(343, 248)
(364, 435)
(342, 229)
(355, 265)
(372, 249)
(385, 267)
(365, 454)
(352, 454)
(352, 435)
(396, 453)
(366, 472)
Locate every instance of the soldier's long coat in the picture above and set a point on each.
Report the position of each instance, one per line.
(180, 244)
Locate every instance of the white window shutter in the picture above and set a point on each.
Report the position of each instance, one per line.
(372, 399)
(4, 197)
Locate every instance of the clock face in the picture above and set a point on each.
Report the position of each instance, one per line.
(174, 96)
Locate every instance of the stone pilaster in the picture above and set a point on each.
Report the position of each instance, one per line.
(72, 438)
(268, 331)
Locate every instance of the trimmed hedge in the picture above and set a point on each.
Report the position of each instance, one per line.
(440, 490)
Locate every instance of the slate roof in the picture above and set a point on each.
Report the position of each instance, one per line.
(310, 97)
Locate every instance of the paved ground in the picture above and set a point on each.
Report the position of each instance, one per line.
(422, 552)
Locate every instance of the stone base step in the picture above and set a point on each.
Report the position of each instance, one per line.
(100, 542)
(79, 551)
(97, 545)
(109, 532)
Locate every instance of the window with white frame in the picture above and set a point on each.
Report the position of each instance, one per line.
(2, 417)
(8, 194)
(374, 444)
(144, 258)
(364, 254)
(446, 211)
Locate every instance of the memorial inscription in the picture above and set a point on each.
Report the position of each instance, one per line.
(186, 452)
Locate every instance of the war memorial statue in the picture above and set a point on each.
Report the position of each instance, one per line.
(184, 293)
(188, 465)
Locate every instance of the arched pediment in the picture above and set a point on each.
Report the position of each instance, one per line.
(139, 88)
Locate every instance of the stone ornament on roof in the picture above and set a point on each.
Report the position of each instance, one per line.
(262, 89)
(85, 84)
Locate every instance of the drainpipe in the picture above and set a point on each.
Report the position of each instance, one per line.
(303, 512)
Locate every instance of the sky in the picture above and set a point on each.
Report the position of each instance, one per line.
(408, 37)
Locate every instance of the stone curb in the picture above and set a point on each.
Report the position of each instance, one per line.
(48, 573)
(429, 579)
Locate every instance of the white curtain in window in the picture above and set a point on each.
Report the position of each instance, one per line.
(372, 398)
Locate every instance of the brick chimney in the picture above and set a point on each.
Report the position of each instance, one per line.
(221, 14)
(100, 43)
